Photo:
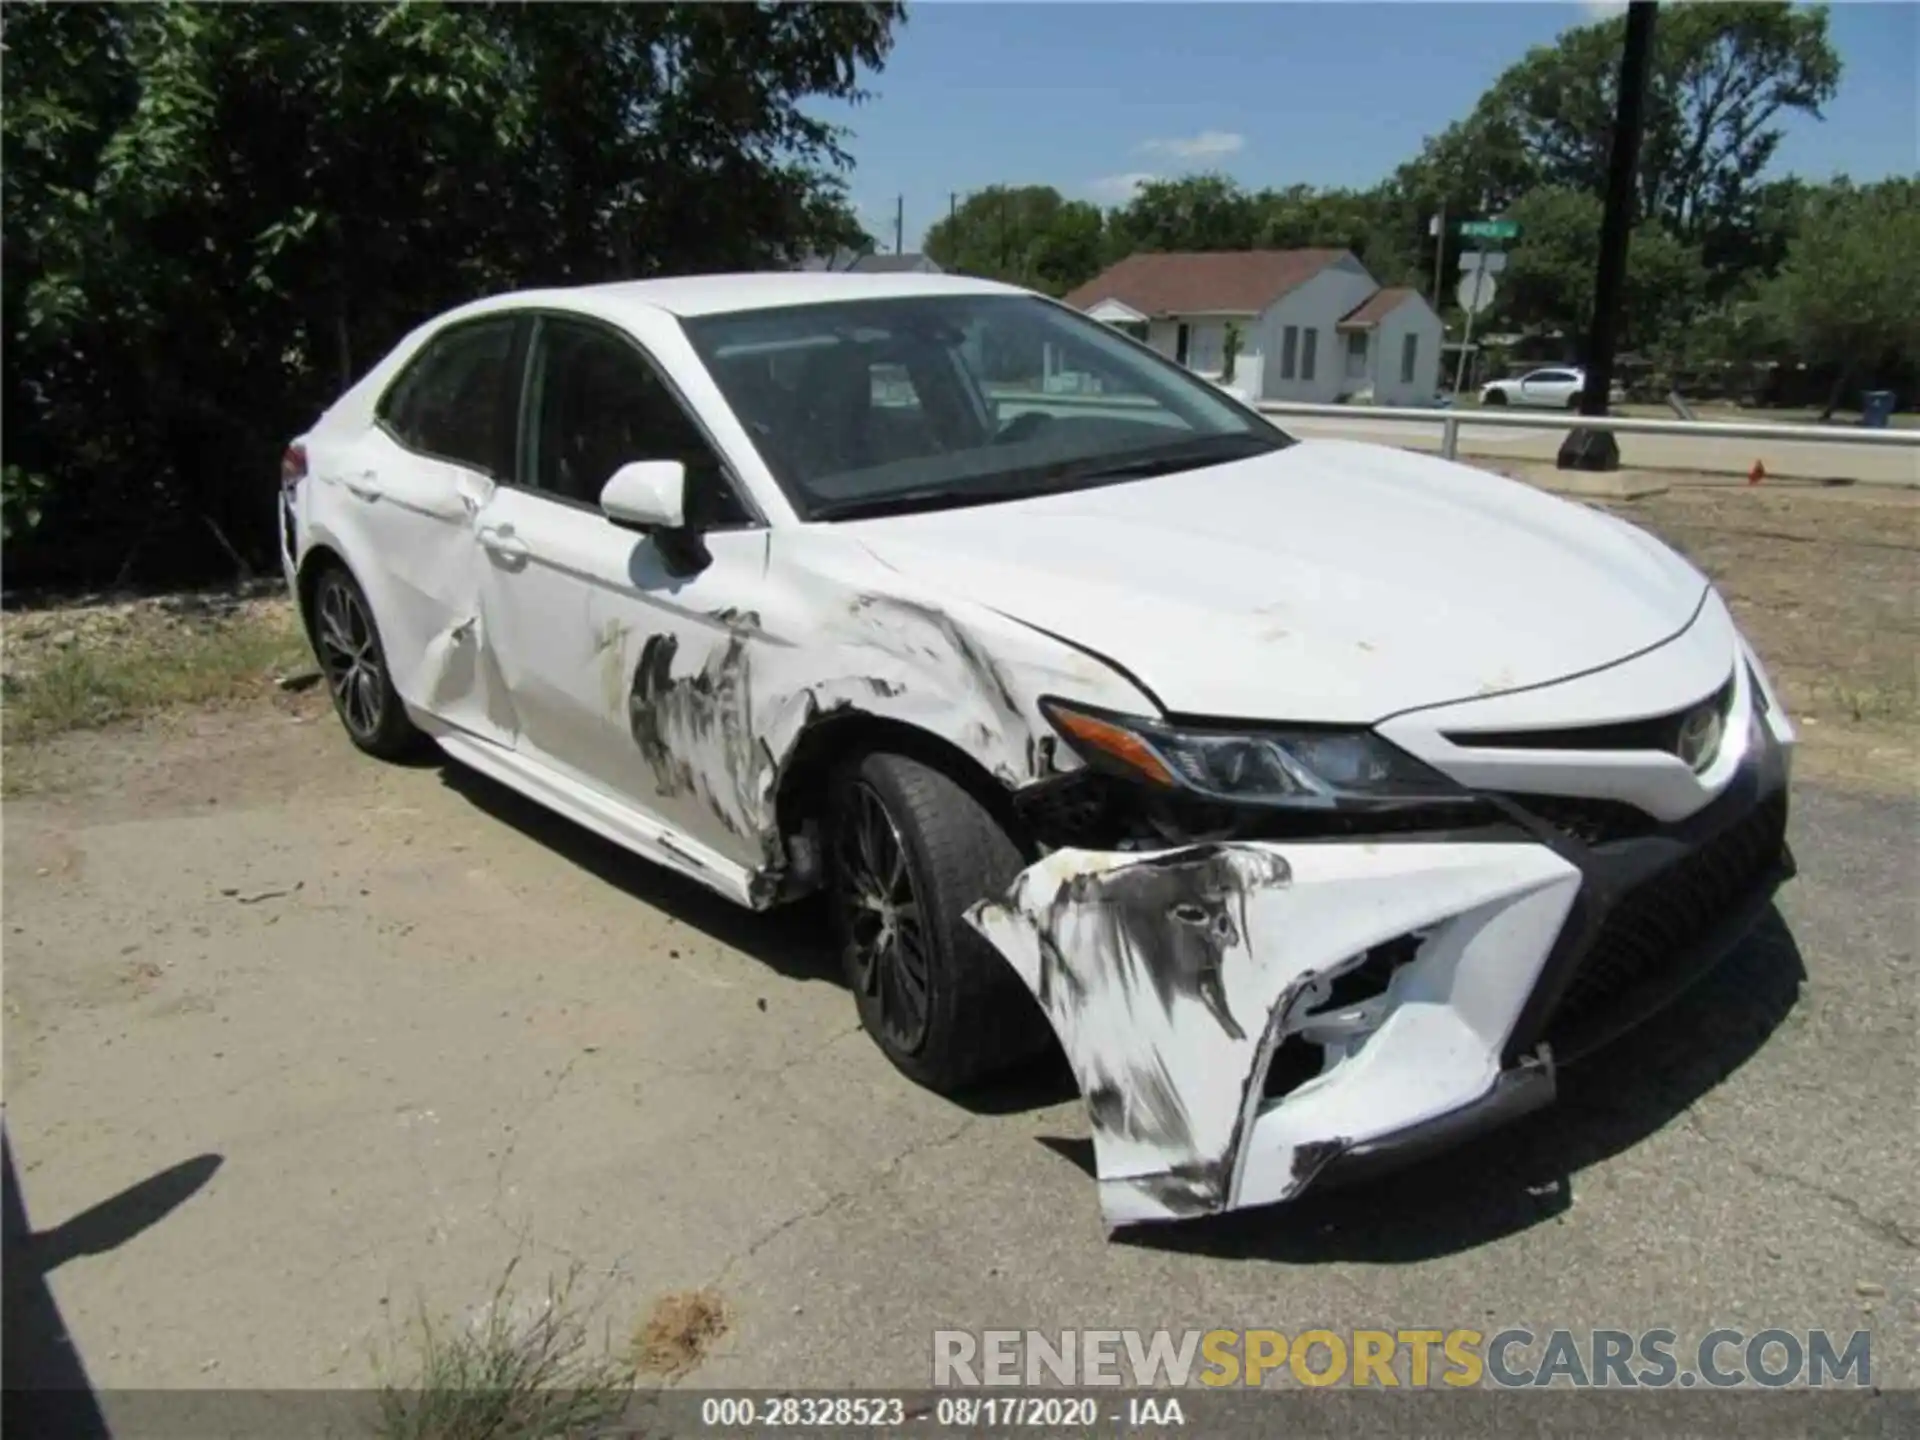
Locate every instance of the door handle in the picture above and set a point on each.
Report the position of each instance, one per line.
(500, 540)
(364, 485)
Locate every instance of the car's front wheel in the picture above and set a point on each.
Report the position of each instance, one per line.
(347, 643)
(1494, 397)
(910, 851)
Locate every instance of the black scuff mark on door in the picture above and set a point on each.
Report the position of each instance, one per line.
(695, 731)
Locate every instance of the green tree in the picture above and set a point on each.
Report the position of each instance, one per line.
(1026, 235)
(1195, 212)
(1549, 280)
(1370, 223)
(1849, 292)
(217, 215)
(1721, 77)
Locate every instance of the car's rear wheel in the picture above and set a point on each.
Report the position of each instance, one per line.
(909, 851)
(1494, 397)
(347, 643)
(1573, 401)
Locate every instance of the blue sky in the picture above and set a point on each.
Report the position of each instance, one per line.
(1085, 96)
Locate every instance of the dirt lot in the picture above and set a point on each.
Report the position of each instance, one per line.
(1823, 581)
(356, 1038)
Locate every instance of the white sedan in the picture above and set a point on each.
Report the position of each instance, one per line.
(1552, 389)
(1317, 798)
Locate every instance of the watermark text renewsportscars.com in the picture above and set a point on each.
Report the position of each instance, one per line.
(1417, 1358)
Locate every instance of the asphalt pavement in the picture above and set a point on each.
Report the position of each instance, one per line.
(370, 1035)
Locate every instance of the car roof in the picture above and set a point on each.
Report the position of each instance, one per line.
(690, 295)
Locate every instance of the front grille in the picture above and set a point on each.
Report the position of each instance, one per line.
(1664, 917)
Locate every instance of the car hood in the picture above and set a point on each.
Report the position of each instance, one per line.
(1329, 581)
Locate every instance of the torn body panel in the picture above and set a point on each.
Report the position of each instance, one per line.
(715, 710)
(1175, 978)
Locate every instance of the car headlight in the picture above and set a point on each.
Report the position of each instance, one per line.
(1303, 767)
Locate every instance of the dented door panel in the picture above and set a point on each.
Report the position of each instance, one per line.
(1174, 978)
(580, 610)
(405, 522)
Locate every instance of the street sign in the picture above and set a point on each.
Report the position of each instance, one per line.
(1489, 229)
(1491, 261)
(1476, 291)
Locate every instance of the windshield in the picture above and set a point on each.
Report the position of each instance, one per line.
(872, 407)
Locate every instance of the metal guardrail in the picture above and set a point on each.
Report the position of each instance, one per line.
(1450, 420)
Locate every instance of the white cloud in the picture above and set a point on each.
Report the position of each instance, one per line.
(1118, 189)
(1207, 145)
(1603, 9)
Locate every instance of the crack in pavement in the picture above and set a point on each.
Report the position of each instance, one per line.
(514, 1130)
(882, 1171)
(1889, 1231)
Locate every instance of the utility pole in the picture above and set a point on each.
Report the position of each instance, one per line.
(1439, 255)
(1590, 449)
(899, 222)
(953, 203)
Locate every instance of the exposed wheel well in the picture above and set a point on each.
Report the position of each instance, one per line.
(833, 739)
(318, 560)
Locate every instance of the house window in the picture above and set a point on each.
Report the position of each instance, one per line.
(1306, 355)
(1357, 355)
(1409, 353)
(1289, 350)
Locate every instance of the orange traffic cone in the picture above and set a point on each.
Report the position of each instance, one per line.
(1757, 474)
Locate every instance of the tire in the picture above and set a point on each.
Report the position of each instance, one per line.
(1573, 401)
(974, 1018)
(346, 641)
(1494, 397)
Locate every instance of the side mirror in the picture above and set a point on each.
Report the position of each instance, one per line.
(650, 494)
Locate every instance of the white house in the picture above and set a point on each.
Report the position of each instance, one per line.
(1313, 324)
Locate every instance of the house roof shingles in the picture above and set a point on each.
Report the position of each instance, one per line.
(1198, 282)
(1375, 308)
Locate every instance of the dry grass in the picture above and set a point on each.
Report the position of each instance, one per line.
(676, 1336)
(92, 664)
(515, 1371)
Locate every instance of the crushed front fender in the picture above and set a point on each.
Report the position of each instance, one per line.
(1240, 1014)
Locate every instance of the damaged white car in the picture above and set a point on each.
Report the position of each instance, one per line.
(1320, 798)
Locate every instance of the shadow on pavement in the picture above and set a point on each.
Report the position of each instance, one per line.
(1522, 1176)
(1504, 1183)
(46, 1387)
(793, 941)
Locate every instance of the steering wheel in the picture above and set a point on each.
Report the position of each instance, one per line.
(1023, 427)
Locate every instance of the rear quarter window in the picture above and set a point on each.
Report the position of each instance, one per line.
(451, 401)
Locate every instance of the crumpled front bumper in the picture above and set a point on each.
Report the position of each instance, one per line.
(1241, 1016)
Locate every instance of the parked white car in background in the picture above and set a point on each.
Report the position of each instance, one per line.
(1558, 388)
(1320, 797)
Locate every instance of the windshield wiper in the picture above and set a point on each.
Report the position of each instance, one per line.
(1214, 450)
(905, 502)
(1189, 455)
